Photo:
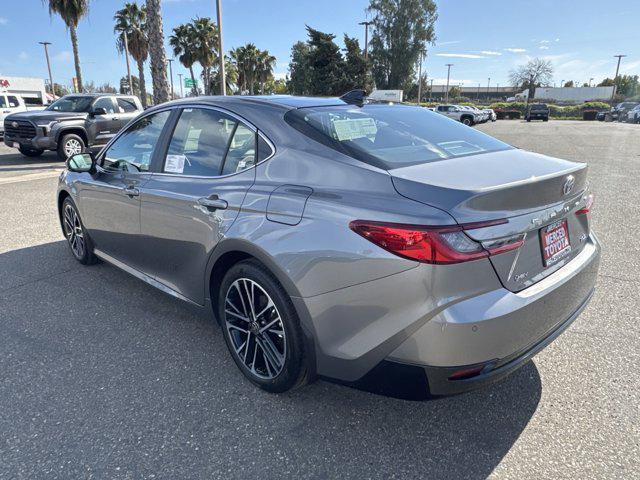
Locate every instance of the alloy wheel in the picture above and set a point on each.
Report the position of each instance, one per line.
(72, 147)
(255, 328)
(73, 231)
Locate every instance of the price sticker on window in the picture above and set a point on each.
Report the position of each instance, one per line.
(351, 128)
(174, 164)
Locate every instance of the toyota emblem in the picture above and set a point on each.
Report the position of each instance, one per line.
(14, 124)
(568, 184)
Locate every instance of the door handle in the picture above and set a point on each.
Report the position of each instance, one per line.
(131, 191)
(213, 202)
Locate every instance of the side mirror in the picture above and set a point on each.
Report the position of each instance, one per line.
(81, 162)
(99, 111)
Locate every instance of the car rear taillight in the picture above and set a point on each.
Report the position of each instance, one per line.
(435, 245)
(587, 206)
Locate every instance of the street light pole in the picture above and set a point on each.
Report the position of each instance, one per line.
(366, 38)
(446, 94)
(126, 54)
(488, 83)
(181, 91)
(223, 75)
(170, 62)
(615, 86)
(420, 79)
(46, 54)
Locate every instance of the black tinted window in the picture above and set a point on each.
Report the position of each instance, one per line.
(199, 143)
(391, 136)
(13, 101)
(133, 150)
(126, 105)
(264, 149)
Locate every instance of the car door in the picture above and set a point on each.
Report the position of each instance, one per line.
(102, 128)
(188, 205)
(110, 198)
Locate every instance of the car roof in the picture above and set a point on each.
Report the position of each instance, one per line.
(283, 101)
(94, 94)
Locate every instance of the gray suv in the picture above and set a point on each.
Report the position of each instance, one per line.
(71, 124)
(329, 237)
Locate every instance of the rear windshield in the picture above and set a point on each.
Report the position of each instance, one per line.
(540, 106)
(391, 136)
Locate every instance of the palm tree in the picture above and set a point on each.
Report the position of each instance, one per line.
(182, 43)
(205, 38)
(264, 68)
(231, 75)
(246, 61)
(157, 53)
(71, 11)
(131, 19)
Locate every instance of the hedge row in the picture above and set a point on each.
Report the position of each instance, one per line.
(557, 111)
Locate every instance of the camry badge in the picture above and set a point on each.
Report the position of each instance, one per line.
(568, 184)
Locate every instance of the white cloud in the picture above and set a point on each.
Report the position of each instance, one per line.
(3, 21)
(557, 40)
(451, 42)
(63, 56)
(280, 75)
(544, 41)
(460, 55)
(516, 50)
(544, 47)
(490, 52)
(23, 55)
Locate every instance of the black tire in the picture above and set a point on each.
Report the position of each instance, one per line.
(69, 142)
(528, 119)
(84, 255)
(467, 121)
(293, 371)
(545, 119)
(30, 152)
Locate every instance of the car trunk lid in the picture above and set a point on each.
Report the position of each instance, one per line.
(532, 191)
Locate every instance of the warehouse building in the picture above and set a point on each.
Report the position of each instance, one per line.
(31, 89)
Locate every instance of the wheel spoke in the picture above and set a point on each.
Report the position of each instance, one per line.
(269, 305)
(235, 327)
(269, 325)
(234, 314)
(271, 351)
(244, 307)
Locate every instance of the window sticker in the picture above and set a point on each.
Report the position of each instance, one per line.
(174, 164)
(351, 128)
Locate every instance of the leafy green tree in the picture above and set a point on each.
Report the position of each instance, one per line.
(356, 68)
(455, 92)
(71, 11)
(182, 42)
(131, 19)
(326, 64)
(401, 30)
(124, 85)
(264, 68)
(299, 82)
(626, 85)
(569, 84)
(231, 76)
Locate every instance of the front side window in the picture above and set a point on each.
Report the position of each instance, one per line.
(13, 101)
(3, 101)
(391, 136)
(71, 103)
(132, 151)
(209, 143)
(106, 103)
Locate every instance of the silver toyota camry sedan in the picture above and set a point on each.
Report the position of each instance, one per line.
(328, 236)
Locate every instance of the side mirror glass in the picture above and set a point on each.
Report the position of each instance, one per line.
(99, 111)
(81, 162)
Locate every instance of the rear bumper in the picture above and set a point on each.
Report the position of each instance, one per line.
(445, 319)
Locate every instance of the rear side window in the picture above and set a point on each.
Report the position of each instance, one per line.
(201, 140)
(391, 136)
(13, 101)
(126, 105)
(106, 103)
(3, 101)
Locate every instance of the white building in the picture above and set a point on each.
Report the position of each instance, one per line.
(29, 88)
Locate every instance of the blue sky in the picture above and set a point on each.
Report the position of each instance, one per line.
(481, 38)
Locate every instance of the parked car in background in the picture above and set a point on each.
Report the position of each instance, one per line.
(481, 115)
(458, 113)
(537, 111)
(492, 115)
(10, 103)
(619, 112)
(601, 116)
(329, 239)
(633, 116)
(71, 124)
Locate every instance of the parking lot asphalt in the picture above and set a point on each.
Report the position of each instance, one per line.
(103, 376)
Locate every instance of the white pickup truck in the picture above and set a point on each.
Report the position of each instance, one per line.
(9, 104)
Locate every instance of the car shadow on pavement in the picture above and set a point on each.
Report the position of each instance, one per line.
(104, 375)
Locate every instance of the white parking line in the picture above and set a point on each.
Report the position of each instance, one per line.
(29, 176)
